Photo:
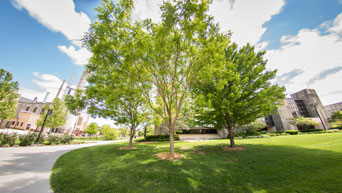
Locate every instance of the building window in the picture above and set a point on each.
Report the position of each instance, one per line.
(34, 110)
(28, 126)
(27, 108)
(13, 122)
(21, 124)
(17, 123)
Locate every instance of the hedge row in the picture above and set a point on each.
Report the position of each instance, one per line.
(11, 139)
(159, 138)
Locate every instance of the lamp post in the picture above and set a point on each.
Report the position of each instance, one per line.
(314, 105)
(41, 130)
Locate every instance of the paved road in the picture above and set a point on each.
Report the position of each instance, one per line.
(28, 169)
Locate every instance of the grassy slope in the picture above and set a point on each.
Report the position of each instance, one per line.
(307, 163)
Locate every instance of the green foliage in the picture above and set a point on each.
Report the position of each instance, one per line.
(91, 129)
(159, 138)
(237, 91)
(54, 139)
(303, 123)
(58, 117)
(316, 159)
(8, 95)
(336, 119)
(108, 132)
(292, 132)
(27, 139)
(66, 139)
(311, 130)
(8, 139)
(75, 103)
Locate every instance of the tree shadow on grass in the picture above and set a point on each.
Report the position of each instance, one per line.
(258, 168)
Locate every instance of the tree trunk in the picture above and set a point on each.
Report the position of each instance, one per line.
(172, 148)
(130, 141)
(231, 137)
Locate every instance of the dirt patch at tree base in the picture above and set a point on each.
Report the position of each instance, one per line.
(171, 157)
(198, 152)
(127, 147)
(227, 148)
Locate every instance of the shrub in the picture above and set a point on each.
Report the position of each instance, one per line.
(160, 138)
(292, 132)
(8, 139)
(263, 132)
(311, 130)
(54, 139)
(27, 139)
(66, 139)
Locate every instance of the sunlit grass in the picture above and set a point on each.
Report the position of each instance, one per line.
(307, 163)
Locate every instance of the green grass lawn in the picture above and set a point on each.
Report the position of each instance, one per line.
(304, 163)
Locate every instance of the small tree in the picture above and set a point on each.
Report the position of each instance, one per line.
(58, 117)
(237, 91)
(303, 122)
(108, 132)
(336, 119)
(91, 129)
(8, 95)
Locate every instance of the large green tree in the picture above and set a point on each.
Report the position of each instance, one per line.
(58, 117)
(185, 42)
(8, 95)
(113, 91)
(237, 92)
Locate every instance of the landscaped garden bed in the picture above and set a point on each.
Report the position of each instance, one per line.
(295, 163)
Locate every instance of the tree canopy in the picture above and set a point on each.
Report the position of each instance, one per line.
(8, 95)
(58, 117)
(237, 91)
(91, 129)
(113, 90)
(185, 42)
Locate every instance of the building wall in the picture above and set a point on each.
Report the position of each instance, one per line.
(333, 108)
(282, 116)
(309, 96)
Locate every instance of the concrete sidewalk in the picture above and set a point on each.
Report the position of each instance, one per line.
(28, 169)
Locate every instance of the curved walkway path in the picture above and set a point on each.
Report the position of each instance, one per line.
(28, 169)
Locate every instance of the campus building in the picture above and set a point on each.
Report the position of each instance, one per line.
(333, 108)
(28, 112)
(304, 103)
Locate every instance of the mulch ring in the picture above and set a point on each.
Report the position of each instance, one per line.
(227, 148)
(170, 157)
(127, 147)
(198, 152)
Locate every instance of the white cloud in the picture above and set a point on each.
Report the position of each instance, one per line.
(79, 56)
(316, 55)
(57, 15)
(60, 16)
(245, 18)
(44, 83)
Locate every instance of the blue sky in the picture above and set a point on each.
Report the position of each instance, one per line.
(303, 39)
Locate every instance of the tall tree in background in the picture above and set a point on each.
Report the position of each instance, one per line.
(185, 42)
(113, 91)
(8, 95)
(58, 117)
(236, 92)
